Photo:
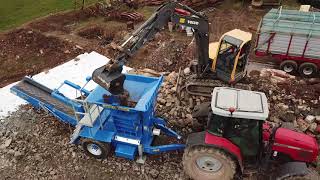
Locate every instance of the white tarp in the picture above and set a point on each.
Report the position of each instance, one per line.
(75, 71)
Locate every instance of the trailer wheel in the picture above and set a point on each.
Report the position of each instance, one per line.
(207, 163)
(96, 149)
(289, 66)
(308, 70)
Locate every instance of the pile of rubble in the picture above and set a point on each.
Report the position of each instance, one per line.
(34, 145)
(125, 16)
(293, 101)
(30, 140)
(116, 12)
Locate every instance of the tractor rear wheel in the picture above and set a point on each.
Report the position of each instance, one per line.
(207, 163)
(96, 149)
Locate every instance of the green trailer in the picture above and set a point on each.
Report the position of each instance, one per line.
(293, 38)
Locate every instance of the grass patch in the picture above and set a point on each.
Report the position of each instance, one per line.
(16, 12)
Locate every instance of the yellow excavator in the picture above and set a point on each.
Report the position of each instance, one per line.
(218, 64)
(228, 64)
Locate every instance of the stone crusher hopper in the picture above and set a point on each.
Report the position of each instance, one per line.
(101, 120)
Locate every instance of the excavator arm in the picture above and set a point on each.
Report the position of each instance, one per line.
(110, 77)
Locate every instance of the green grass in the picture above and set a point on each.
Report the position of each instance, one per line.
(16, 12)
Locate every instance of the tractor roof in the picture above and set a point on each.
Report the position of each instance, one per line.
(246, 104)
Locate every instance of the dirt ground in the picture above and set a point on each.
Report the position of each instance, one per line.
(38, 145)
(49, 41)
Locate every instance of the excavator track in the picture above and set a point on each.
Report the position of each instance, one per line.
(204, 87)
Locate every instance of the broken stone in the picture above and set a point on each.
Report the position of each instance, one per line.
(283, 107)
(189, 116)
(79, 47)
(274, 119)
(302, 107)
(187, 71)
(310, 119)
(317, 119)
(172, 77)
(313, 127)
(303, 125)
(18, 154)
(11, 151)
(288, 125)
(6, 144)
(168, 61)
(191, 104)
(288, 117)
(162, 101)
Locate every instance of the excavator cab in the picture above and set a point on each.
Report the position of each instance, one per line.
(230, 55)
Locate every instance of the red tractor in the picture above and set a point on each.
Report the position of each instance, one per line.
(238, 139)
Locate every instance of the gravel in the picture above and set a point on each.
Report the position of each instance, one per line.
(34, 144)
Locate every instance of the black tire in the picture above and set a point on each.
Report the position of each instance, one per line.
(96, 149)
(207, 163)
(289, 66)
(308, 70)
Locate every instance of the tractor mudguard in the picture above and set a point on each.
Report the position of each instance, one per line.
(299, 146)
(207, 139)
(292, 169)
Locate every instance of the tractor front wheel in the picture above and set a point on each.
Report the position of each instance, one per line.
(96, 149)
(207, 163)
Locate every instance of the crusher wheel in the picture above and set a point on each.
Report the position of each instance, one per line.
(207, 163)
(96, 149)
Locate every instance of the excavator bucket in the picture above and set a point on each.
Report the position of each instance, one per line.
(110, 80)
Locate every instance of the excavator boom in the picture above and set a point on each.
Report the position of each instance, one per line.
(110, 77)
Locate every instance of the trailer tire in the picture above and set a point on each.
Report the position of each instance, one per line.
(206, 163)
(289, 66)
(96, 149)
(308, 70)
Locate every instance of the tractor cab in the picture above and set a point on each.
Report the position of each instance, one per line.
(230, 55)
(237, 137)
(238, 115)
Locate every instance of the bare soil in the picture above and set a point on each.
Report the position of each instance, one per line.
(52, 40)
(39, 147)
(27, 52)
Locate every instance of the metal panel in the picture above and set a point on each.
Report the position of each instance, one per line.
(280, 43)
(263, 41)
(313, 48)
(297, 45)
(303, 26)
(247, 104)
